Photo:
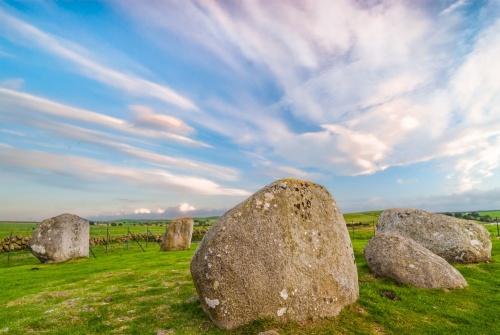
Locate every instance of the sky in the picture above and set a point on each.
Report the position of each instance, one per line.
(161, 109)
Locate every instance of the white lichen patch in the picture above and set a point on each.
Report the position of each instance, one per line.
(281, 311)
(476, 243)
(212, 303)
(411, 266)
(268, 196)
(284, 294)
(38, 248)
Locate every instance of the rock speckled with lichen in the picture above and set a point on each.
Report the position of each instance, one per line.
(456, 240)
(406, 261)
(61, 238)
(284, 253)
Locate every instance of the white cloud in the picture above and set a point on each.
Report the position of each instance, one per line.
(185, 207)
(146, 117)
(76, 54)
(142, 211)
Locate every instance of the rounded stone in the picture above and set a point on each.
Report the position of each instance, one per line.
(406, 261)
(456, 240)
(284, 253)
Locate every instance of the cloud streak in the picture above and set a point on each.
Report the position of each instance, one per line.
(11, 101)
(74, 53)
(91, 170)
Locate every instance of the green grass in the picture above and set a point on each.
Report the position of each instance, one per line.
(493, 214)
(362, 217)
(135, 292)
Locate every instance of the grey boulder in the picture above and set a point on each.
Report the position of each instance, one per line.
(405, 261)
(456, 240)
(61, 238)
(284, 253)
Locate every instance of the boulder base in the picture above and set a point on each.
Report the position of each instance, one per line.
(178, 235)
(456, 240)
(61, 238)
(284, 254)
(402, 259)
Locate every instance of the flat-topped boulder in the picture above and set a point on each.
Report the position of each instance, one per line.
(406, 261)
(61, 238)
(284, 253)
(178, 235)
(456, 240)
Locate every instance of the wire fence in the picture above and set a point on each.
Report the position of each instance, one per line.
(14, 243)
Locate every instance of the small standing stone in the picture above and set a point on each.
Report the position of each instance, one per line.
(178, 235)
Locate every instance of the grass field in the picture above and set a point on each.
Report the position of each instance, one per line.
(493, 214)
(136, 292)
(26, 228)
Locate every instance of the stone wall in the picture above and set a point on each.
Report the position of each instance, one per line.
(17, 242)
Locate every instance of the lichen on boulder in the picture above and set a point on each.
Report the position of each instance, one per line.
(284, 253)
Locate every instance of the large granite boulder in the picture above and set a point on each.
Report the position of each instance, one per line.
(284, 253)
(456, 240)
(406, 261)
(61, 238)
(178, 235)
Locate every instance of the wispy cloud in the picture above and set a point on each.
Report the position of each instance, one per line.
(116, 143)
(92, 170)
(368, 87)
(15, 102)
(146, 117)
(78, 55)
(12, 83)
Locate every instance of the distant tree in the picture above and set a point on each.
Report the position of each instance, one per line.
(475, 215)
(485, 218)
(458, 215)
(448, 213)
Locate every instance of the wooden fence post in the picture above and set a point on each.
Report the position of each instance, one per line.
(10, 246)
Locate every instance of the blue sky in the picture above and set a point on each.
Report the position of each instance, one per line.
(160, 109)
